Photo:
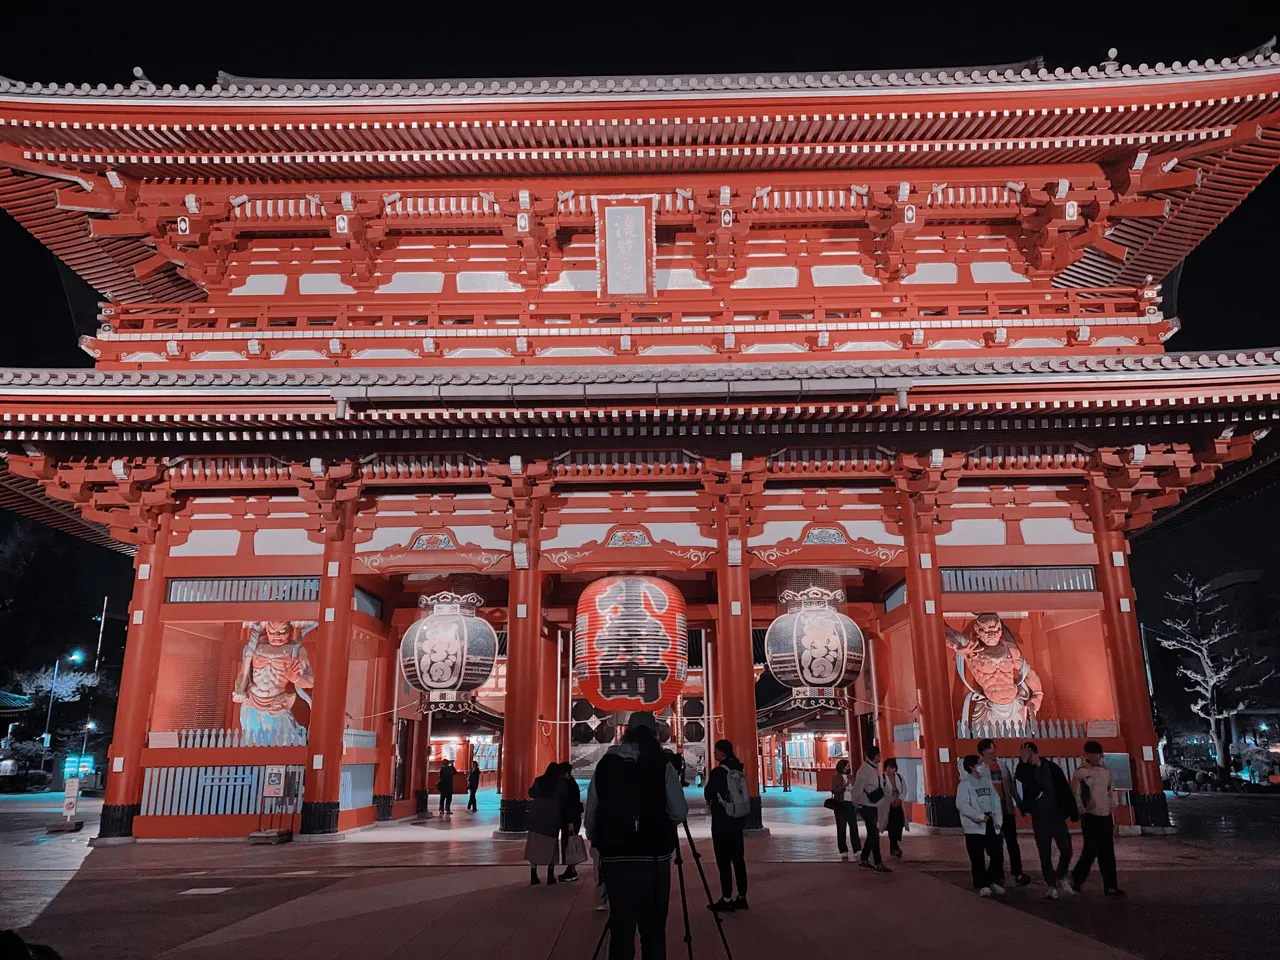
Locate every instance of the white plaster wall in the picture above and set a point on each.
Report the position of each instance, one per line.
(384, 537)
(873, 530)
(1052, 530)
(972, 533)
(209, 543)
(285, 543)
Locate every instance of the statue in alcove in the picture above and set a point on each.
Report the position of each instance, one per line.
(274, 673)
(1003, 686)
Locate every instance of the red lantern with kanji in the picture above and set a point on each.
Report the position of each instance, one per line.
(631, 643)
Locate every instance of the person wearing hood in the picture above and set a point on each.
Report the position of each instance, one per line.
(727, 829)
(867, 793)
(634, 804)
(445, 785)
(981, 816)
(1046, 795)
(545, 820)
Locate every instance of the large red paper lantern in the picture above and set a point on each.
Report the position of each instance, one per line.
(631, 644)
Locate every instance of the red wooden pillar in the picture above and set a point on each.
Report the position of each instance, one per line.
(520, 717)
(123, 798)
(1124, 642)
(385, 723)
(547, 731)
(929, 653)
(328, 711)
(735, 665)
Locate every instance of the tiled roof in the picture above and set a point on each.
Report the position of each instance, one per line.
(13, 702)
(718, 85)
(1023, 369)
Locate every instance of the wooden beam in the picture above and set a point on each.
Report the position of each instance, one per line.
(116, 227)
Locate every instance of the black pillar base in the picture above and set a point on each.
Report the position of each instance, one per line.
(424, 801)
(382, 805)
(512, 815)
(319, 817)
(1150, 809)
(117, 819)
(940, 811)
(755, 818)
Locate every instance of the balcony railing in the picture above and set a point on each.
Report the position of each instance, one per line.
(1042, 729)
(228, 737)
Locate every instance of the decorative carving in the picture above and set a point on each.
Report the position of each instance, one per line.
(695, 555)
(1003, 688)
(562, 558)
(771, 555)
(824, 536)
(273, 675)
(433, 541)
(628, 538)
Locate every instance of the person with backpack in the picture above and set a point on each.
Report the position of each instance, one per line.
(1095, 796)
(867, 793)
(544, 822)
(892, 812)
(726, 795)
(981, 817)
(1047, 797)
(842, 805)
(634, 804)
(445, 786)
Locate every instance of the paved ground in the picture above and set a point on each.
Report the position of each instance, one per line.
(448, 890)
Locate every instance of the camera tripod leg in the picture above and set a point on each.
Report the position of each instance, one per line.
(697, 862)
(684, 901)
(595, 954)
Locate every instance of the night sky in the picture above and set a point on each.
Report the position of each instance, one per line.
(1226, 297)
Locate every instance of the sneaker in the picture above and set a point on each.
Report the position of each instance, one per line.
(896, 854)
(881, 868)
(601, 907)
(569, 876)
(865, 863)
(724, 906)
(1022, 880)
(1113, 892)
(844, 856)
(996, 888)
(984, 892)
(1051, 893)
(1067, 887)
(740, 903)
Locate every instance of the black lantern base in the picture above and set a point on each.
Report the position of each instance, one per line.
(513, 816)
(117, 819)
(382, 803)
(1151, 809)
(940, 811)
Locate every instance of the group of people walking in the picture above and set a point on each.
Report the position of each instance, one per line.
(989, 797)
(875, 797)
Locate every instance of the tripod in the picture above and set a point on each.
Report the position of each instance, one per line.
(684, 900)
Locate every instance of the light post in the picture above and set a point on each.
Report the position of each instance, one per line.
(75, 657)
(89, 727)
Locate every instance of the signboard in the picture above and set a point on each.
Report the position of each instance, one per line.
(273, 783)
(71, 798)
(166, 739)
(1100, 728)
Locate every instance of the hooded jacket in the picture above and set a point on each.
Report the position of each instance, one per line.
(975, 798)
(677, 808)
(1045, 791)
(865, 783)
(717, 788)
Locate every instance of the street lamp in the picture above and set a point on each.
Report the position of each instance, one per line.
(75, 656)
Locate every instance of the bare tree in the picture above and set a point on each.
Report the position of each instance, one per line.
(1219, 674)
(65, 689)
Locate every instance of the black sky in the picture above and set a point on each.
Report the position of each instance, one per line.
(1226, 298)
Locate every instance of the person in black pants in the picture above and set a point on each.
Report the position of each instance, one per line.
(867, 793)
(727, 831)
(447, 771)
(895, 792)
(1095, 795)
(843, 807)
(473, 784)
(1046, 795)
(1002, 782)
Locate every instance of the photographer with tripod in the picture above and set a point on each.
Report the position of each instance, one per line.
(634, 805)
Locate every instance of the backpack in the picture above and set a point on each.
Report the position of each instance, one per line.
(736, 803)
(631, 818)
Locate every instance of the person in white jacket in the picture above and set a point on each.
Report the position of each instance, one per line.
(867, 792)
(979, 807)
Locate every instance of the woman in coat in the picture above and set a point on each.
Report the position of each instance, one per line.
(572, 814)
(546, 817)
(845, 810)
(892, 813)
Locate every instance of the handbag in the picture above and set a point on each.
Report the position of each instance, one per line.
(829, 803)
(875, 796)
(575, 851)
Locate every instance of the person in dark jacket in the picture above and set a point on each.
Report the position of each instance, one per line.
(1047, 797)
(544, 823)
(634, 805)
(445, 786)
(845, 809)
(726, 831)
(572, 818)
(473, 784)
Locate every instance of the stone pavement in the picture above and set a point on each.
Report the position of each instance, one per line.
(448, 890)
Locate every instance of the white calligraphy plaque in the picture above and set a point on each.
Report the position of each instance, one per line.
(625, 246)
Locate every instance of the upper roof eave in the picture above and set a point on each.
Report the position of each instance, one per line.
(545, 90)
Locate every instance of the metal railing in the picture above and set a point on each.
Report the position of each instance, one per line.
(1017, 579)
(200, 739)
(1045, 729)
(244, 590)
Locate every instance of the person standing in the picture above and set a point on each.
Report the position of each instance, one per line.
(843, 807)
(1046, 796)
(544, 823)
(445, 786)
(892, 812)
(1002, 781)
(981, 816)
(572, 819)
(473, 784)
(726, 795)
(1095, 795)
(867, 793)
(634, 804)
